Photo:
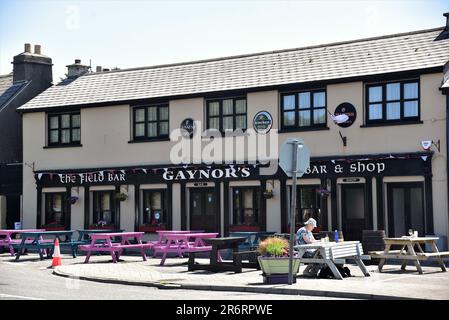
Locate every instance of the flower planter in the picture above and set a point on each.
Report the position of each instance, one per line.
(152, 229)
(277, 265)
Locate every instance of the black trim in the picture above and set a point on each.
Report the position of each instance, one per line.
(117, 207)
(334, 217)
(68, 217)
(86, 206)
(146, 121)
(385, 124)
(263, 206)
(284, 215)
(60, 129)
(369, 202)
(136, 206)
(221, 115)
(217, 191)
(169, 204)
(183, 206)
(380, 203)
(300, 129)
(323, 207)
(240, 92)
(150, 140)
(39, 207)
(226, 207)
(428, 193)
(56, 146)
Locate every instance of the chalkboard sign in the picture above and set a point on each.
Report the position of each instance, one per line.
(347, 109)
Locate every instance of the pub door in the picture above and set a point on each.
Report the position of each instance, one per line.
(354, 213)
(405, 208)
(204, 210)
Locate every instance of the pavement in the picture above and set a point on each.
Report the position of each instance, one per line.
(392, 283)
(31, 279)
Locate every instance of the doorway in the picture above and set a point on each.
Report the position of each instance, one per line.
(12, 211)
(354, 213)
(405, 208)
(204, 213)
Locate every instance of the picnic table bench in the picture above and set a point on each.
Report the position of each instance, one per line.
(7, 238)
(34, 240)
(181, 243)
(333, 253)
(216, 264)
(408, 253)
(103, 242)
(253, 238)
(82, 235)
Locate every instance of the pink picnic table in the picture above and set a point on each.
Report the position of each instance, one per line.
(101, 242)
(8, 240)
(181, 243)
(162, 233)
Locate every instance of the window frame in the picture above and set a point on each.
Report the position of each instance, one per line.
(112, 204)
(145, 137)
(164, 204)
(59, 129)
(49, 216)
(220, 115)
(256, 204)
(383, 102)
(296, 109)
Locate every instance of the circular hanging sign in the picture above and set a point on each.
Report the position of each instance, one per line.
(262, 122)
(348, 110)
(188, 126)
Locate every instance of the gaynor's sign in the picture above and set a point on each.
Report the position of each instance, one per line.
(207, 174)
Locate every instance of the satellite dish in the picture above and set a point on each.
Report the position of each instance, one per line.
(341, 118)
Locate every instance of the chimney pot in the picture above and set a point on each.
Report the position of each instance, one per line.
(99, 69)
(77, 61)
(28, 47)
(37, 49)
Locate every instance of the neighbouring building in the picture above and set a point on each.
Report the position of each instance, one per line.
(99, 141)
(32, 74)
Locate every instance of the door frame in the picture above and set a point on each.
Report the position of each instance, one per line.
(407, 214)
(217, 206)
(368, 221)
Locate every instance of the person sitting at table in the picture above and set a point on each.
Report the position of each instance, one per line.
(304, 236)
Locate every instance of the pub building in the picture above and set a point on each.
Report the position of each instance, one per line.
(100, 150)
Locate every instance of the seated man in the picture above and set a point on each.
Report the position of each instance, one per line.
(304, 236)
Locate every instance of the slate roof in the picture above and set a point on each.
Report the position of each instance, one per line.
(8, 89)
(393, 53)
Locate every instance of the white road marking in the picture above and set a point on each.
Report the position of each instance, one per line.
(18, 297)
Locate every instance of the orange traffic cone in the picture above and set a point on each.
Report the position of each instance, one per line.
(56, 255)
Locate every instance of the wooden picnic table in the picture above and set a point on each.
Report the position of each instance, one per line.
(35, 240)
(103, 242)
(8, 241)
(216, 264)
(181, 243)
(332, 253)
(408, 253)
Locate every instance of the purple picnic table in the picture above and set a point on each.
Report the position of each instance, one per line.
(8, 241)
(181, 243)
(103, 242)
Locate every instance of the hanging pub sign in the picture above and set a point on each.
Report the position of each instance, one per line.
(188, 127)
(262, 122)
(347, 109)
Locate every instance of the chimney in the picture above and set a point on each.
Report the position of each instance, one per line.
(37, 49)
(27, 48)
(76, 69)
(445, 33)
(99, 69)
(33, 66)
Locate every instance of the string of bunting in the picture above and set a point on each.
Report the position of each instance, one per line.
(132, 170)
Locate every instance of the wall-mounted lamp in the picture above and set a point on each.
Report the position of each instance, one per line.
(427, 144)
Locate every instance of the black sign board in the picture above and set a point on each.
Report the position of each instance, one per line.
(347, 109)
(189, 126)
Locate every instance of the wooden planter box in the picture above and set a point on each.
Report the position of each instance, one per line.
(151, 229)
(276, 266)
(244, 228)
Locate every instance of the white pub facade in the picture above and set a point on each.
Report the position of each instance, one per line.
(97, 146)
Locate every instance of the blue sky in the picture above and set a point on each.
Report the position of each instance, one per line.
(144, 32)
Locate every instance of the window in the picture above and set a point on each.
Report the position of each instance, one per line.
(393, 102)
(303, 109)
(246, 206)
(226, 114)
(64, 129)
(150, 122)
(103, 207)
(154, 207)
(307, 204)
(55, 210)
